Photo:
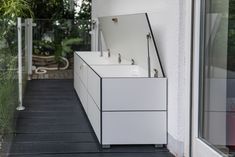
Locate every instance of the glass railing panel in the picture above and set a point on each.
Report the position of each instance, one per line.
(8, 77)
(56, 31)
(58, 38)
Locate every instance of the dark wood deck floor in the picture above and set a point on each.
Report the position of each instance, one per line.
(55, 125)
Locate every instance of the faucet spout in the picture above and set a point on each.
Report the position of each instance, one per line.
(132, 62)
(155, 72)
(119, 58)
(109, 53)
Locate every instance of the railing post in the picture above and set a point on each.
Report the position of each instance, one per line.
(29, 45)
(19, 29)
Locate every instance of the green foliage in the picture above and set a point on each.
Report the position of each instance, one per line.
(84, 15)
(65, 48)
(85, 10)
(52, 9)
(42, 47)
(8, 87)
(8, 75)
(61, 24)
(15, 8)
(8, 90)
(66, 45)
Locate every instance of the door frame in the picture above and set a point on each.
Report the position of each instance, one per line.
(199, 147)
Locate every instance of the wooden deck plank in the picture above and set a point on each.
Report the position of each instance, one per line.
(54, 125)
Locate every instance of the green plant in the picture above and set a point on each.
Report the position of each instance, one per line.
(42, 47)
(52, 9)
(9, 11)
(85, 10)
(15, 8)
(65, 47)
(8, 93)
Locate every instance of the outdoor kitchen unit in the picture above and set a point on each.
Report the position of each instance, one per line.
(124, 90)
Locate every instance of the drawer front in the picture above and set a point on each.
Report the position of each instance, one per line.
(134, 128)
(94, 116)
(83, 95)
(93, 86)
(77, 83)
(77, 64)
(134, 94)
(83, 73)
(80, 67)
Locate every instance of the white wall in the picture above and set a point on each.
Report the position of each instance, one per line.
(170, 20)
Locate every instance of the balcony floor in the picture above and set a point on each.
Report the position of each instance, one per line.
(55, 125)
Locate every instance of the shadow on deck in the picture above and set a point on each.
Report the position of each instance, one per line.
(55, 125)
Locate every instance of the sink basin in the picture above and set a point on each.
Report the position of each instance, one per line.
(94, 58)
(120, 71)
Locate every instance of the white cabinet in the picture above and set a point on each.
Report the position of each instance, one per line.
(134, 128)
(81, 91)
(134, 94)
(83, 95)
(80, 68)
(76, 83)
(124, 89)
(94, 86)
(94, 117)
(80, 80)
(124, 108)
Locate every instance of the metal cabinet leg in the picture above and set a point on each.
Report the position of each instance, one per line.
(106, 146)
(158, 145)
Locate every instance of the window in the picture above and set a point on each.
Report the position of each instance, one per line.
(217, 81)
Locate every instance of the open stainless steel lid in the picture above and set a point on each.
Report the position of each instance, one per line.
(132, 37)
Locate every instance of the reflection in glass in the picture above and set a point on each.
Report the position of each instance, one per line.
(8, 76)
(217, 119)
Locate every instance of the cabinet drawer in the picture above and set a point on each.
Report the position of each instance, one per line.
(134, 128)
(82, 94)
(76, 83)
(93, 86)
(94, 116)
(83, 73)
(77, 63)
(134, 94)
(80, 68)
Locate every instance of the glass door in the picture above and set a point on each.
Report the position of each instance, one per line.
(215, 112)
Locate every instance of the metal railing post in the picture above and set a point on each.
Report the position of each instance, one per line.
(29, 45)
(19, 29)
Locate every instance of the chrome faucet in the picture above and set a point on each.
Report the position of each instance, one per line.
(155, 72)
(132, 62)
(100, 41)
(119, 58)
(109, 54)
